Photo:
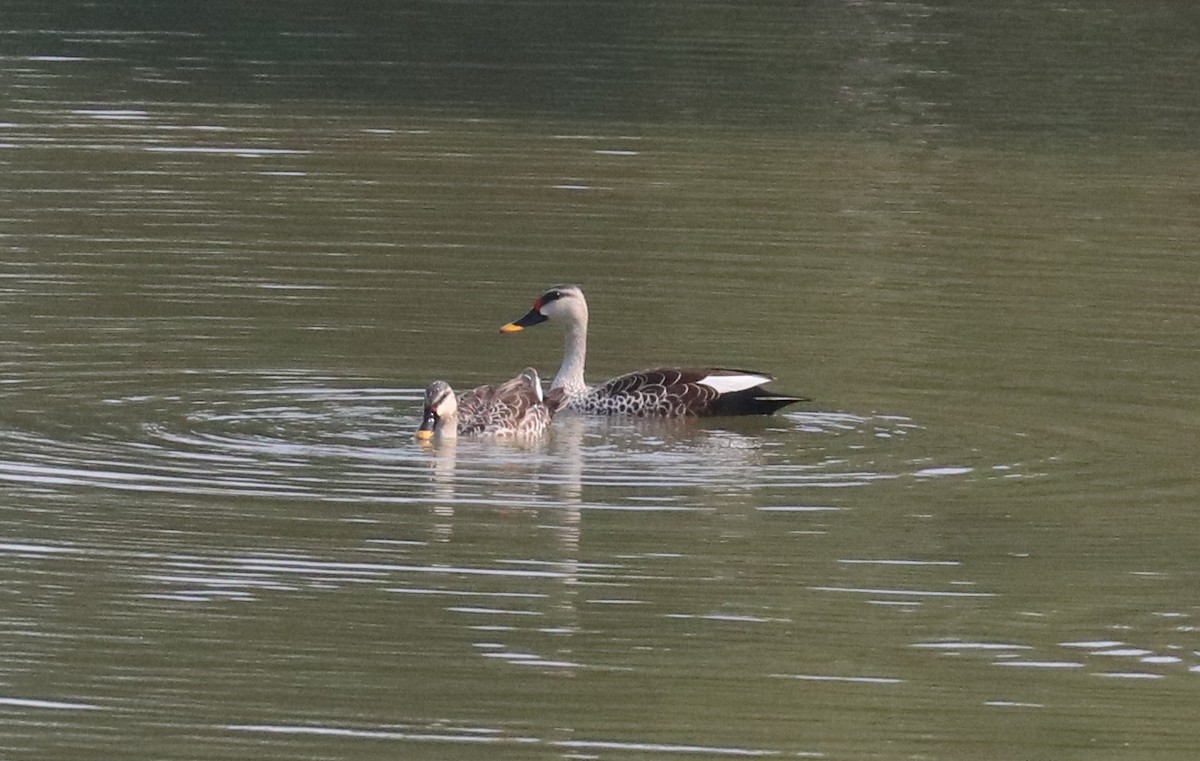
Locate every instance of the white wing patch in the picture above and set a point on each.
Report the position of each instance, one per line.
(727, 384)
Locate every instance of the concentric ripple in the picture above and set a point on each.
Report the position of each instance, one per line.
(311, 437)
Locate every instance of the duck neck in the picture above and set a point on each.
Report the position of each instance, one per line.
(447, 428)
(570, 374)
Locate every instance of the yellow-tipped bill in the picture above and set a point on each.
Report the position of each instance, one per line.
(532, 317)
(424, 434)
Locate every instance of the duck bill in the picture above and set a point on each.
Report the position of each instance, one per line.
(428, 424)
(532, 317)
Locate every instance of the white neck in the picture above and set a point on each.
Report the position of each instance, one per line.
(448, 427)
(570, 374)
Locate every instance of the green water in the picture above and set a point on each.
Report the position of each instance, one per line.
(236, 247)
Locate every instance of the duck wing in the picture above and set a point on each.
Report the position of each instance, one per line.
(471, 402)
(515, 407)
(679, 391)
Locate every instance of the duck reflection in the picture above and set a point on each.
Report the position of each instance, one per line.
(501, 482)
(504, 499)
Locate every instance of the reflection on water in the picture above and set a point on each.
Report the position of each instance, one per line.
(600, 551)
(304, 439)
(231, 256)
(489, 545)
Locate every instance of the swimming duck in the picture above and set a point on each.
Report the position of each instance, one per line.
(660, 391)
(513, 409)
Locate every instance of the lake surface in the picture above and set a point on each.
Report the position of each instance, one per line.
(235, 245)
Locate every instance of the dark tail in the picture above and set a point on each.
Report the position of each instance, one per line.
(752, 401)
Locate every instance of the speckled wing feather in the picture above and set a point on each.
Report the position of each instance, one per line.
(665, 391)
(470, 402)
(677, 392)
(513, 408)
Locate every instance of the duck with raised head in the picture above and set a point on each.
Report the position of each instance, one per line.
(660, 391)
(515, 409)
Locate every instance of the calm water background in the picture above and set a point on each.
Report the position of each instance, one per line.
(237, 240)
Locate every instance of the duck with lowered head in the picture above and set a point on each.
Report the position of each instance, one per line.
(515, 409)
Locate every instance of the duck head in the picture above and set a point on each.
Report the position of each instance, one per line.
(559, 302)
(440, 414)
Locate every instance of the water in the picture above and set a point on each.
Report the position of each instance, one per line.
(233, 256)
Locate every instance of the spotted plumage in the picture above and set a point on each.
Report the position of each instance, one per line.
(515, 409)
(663, 391)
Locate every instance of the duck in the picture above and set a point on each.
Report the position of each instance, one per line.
(514, 409)
(655, 392)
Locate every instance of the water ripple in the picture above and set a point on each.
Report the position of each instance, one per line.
(299, 437)
(503, 738)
